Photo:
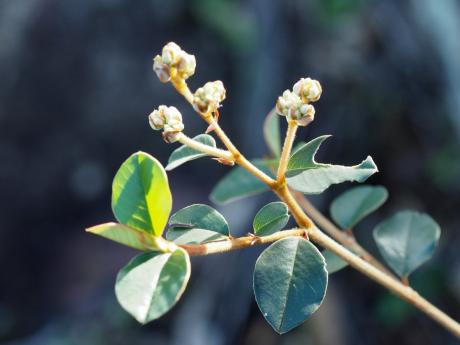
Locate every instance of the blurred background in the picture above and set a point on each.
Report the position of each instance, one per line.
(76, 86)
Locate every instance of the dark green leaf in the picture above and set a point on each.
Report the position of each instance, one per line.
(333, 262)
(197, 224)
(239, 183)
(290, 281)
(141, 198)
(185, 154)
(271, 218)
(349, 208)
(152, 283)
(407, 240)
(272, 132)
(307, 176)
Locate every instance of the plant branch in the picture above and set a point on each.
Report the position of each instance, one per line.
(238, 243)
(286, 153)
(182, 87)
(346, 240)
(209, 150)
(310, 230)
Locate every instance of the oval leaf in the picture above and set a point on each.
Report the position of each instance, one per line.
(272, 132)
(290, 281)
(125, 235)
(185, 154)
(407, 240)
(239, 183)
(271, 218)
(197, 224)
(349, 208)
(334, 263)
(141, 197)
(305, 175)
(152, 283)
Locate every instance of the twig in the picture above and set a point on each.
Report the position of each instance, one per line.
(346, 240)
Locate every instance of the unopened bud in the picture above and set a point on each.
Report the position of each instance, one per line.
(167, 118)
(308, 89)
(208, 98)
(292, 106)
(173, 61)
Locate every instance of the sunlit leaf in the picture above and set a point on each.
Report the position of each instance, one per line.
(152, 283)
(290, 281)
(270, 218)
(125, 235)
(272, 132)
(407, 240)
(349, 208)
(197, 224)
(141, 198)
(239, 183)
(307, 176)
(185, 154)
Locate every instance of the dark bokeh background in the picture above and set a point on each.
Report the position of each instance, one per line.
(76, 86)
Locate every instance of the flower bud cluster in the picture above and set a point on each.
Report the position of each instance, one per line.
(173, 62)
(208, 97)
(295, 104)
(169, 119)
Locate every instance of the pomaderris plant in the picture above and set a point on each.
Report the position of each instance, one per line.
(291, 274)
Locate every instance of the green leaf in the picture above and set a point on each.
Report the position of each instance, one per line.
(272, 132)
(152, 283)
(407, 240)
(271, 218)
(307, 176)
(125, 235)
(290, 281)
(349, 208)
(141, 198)
(185, 154)
(333, 262)
(197, 224)
(239, 183)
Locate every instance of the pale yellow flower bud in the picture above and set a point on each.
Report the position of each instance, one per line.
(209, 97)
(308, 89)
(173, 61)
(292, 106)
(167, 118)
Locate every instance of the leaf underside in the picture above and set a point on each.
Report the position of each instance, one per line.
(186, 154)
(197, 224)
(305, 175)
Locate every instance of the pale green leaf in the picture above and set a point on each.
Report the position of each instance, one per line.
(272, 132)
(290, 281)
(307, 176)
(141, 198)
(185, 154)
(407, 240)
(349, 208)
(239, 183)
(197, 224)
(270, 218)
(152, 283)
(125, 235)
(333, 262)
